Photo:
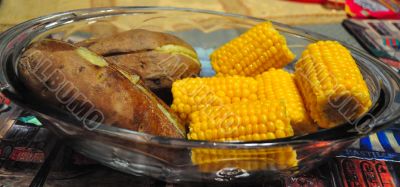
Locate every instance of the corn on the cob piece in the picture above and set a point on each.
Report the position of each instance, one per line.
(277, 84)
(193, 94)
(249, 121)
(211, 160)
(253, 52)
(331, 83)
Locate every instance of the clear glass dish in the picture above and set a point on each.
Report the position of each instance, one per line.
(176, 160)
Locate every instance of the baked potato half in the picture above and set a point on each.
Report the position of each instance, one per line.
(159, 58)
(81, 81)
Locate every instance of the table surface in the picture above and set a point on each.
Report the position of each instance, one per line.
(16, 11)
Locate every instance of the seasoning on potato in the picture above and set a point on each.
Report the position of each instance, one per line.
(159, 58)
(76, 78)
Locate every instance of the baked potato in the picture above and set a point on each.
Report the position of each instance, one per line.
(159, 58)
(89, 87)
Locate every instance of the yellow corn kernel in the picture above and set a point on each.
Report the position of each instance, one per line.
(212, 160)
(253, 52)
(277, 84)
(235, 121)
(333, 88)
(193, 94)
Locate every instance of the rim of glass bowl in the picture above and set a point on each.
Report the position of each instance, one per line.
(340, 133)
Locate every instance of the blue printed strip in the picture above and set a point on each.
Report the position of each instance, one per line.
(365, 143)
(384, 141)
(354, 153)
(397, 136)
(395, 145)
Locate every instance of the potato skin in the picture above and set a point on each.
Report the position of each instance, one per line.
(136, 51)
(56, 73)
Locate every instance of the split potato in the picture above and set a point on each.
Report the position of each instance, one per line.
(89, 87)
(159, 58)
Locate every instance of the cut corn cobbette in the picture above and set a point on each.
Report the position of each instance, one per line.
(333, 87)
(193, 94)
(280, 85)
(251, 121)
(253, 52)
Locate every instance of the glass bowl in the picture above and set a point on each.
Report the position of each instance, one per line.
(176, 160)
